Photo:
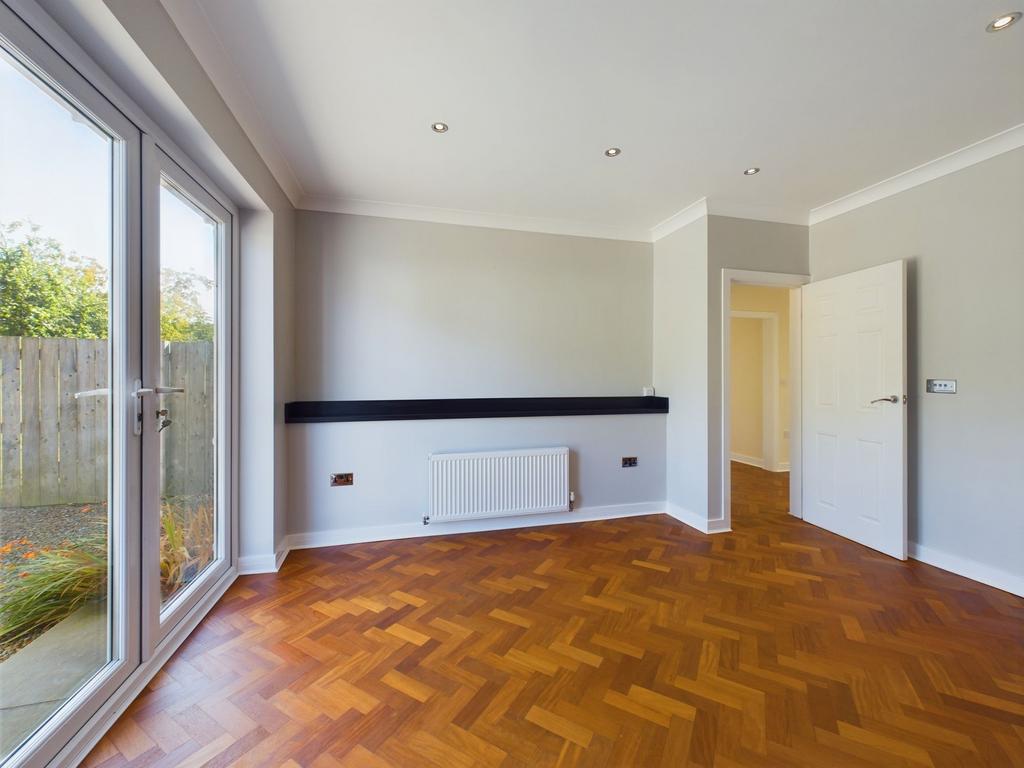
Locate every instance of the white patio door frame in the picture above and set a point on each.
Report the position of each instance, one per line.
(140, 646)
(33, 52)
(158, 620)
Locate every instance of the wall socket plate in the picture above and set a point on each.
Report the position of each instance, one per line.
(941, 386)
(629, 461)
(342, 478)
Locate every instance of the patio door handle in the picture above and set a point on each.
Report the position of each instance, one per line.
(140, 393)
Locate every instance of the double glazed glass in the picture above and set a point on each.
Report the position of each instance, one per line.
(190, 242)
(58, 183)
(187, 253)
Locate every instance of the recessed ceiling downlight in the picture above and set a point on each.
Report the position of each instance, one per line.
(612, 152)
(439, 127)
(751, 171)
(1004, 21)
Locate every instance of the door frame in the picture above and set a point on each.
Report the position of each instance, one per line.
(769, 386)
(33, 51)
(769, 280)
(158, 621)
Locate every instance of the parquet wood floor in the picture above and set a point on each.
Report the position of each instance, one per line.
(632, 642)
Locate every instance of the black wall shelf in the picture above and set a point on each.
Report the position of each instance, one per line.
(316, 411)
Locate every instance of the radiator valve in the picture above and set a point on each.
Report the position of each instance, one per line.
(572, 499)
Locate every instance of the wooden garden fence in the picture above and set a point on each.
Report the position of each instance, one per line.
(54, 448)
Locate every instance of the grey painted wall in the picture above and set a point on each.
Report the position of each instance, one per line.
(963, 236)
(402, 309)
(680, 362)
(392, 308)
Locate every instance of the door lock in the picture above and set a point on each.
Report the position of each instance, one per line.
(140, 393)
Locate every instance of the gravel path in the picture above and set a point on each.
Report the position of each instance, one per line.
(34, 528)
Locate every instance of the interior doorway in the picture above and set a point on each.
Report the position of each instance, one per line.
(761, 393)
(758, 399)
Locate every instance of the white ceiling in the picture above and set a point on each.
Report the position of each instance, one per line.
(826, 96)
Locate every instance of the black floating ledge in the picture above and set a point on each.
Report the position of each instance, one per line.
(315, 411)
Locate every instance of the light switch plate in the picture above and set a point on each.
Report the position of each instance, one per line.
(941, 386)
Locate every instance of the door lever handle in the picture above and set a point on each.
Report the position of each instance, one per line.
(889, 399)
(139, 392)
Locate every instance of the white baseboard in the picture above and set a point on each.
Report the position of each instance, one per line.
(971, 569)
(266, 563)
(753, 461)
(742, 458)
(249, 564)
(282, 553)
(695, 521)
(370, 533)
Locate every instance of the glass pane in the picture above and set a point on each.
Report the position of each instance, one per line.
(189, 245)
(56, 169)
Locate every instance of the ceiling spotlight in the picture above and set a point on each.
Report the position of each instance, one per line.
(612, 152)
(751, 171)
(1004, 21)
(439, 127)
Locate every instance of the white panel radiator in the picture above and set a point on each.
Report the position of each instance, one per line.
(469, 486)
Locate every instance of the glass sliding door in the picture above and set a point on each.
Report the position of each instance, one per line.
(69, 351)
(186, 301)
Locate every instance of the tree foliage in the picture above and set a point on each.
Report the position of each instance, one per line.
(46, 292)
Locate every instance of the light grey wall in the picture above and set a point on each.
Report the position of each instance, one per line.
(393, 308)
(963, 236)
(763, 246)
(389, 460)
(680, 362)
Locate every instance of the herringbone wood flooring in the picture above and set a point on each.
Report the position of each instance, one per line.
(625, 643)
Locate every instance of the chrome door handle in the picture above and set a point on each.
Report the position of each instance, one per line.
(889, 399)
(142, 391)
(139, 394)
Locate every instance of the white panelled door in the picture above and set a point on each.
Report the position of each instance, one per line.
(854, 406)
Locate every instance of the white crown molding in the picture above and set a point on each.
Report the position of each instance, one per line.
(465, 218)
(678, 220)
(1005, 141)
(737, 210)
(194, 25)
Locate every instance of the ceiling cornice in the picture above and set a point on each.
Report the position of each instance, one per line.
(1005, 141)
(679, 219)
(472, 218)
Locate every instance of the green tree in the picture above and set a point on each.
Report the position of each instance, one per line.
(46, 292)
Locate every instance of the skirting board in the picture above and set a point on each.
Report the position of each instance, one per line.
(742, 458)
(694, 520)
(370, 533)
(268, 563)
(970, 569)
